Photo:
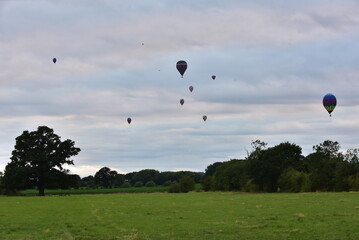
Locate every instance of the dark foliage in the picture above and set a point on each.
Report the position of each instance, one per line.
(283, 168)
(37, 161)
(187, 184)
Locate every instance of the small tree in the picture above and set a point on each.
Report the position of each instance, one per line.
(174, 188)
(187, 184)
(150, 184)
(292, 180)
(138, 184)
(35, 156)
(207, 183)
(167, 183)
(126, 185)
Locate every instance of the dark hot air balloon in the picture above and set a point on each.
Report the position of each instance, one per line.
(204, 117)
(54, 60)
(213, 77)
(191, 88)
(329, 103)
(182, 102)
(181, 67)
(129, 120)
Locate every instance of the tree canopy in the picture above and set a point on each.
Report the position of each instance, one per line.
(37, 157)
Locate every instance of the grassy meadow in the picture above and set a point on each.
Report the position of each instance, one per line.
(34, 192)
(195, 215)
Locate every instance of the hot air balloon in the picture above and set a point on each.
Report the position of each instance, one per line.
(329, 103)
(213, 77)
(54, 60)
(204, 117)
(129, 120)
(182, 102)
(181, 67)
(191, 88)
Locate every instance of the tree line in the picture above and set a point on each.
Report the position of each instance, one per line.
(38, 158)
(283, 168)
(107, 178)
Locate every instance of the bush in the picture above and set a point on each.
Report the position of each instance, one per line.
(292, 180)
(207, 183)
(126, 185)
(167, 183)
(138, 184)
(187, 184)
(174, 188)
(150, 184)
(249, 186)
(354, 182)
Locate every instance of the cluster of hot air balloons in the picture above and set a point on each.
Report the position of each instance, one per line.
(329, 100)
(182, 67)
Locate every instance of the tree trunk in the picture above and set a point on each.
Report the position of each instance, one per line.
(41, 186)
(41, 191)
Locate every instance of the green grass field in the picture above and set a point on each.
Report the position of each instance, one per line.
(33, 192)
(195, 215)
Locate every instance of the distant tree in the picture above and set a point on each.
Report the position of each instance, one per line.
(187, 184)
(88, 182)
(292, 180)
(329, 149)
(257, 148)
(35, 156)
(126, 185)
(352, 157)
(105, 177)
(353, 181)
(211, 169)
(326, 167)
(167, 183)
(146, 175)
(231, 175)
(119, 180)
(129, 176)
(265, 166)
(138, 184)
(176, 176)
(174, 188)
(150, 184)
(207, 183)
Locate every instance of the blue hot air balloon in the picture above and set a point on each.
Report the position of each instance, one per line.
(329, 103)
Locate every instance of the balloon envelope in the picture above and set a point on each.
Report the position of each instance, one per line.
(129, 120)
(191, 88)
(204, 117)
(213, 77)
(181, 101)
(181, 67)
(54, 60)
(329, 103)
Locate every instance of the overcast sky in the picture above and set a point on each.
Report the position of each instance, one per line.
(274, 62)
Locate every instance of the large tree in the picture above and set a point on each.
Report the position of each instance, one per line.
(37, 155)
